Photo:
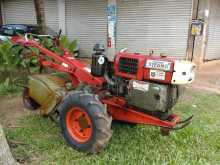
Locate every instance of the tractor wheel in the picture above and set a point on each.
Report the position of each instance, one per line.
(28, 102)
(85, 123)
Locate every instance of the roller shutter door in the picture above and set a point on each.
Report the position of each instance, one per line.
(161, 25)
(51, 14)
(20, 11)
(213, 47)
(86, 20)
(23, 12)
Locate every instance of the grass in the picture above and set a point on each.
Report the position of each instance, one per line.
(199, 143)
(9, 90)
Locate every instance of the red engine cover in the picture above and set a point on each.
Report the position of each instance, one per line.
(144, 67)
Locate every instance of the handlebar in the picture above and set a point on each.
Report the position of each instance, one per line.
(35, 35)
(26, 36)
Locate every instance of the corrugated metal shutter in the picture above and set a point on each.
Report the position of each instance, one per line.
(213, 49)
(23, 11)
(51, 14)
(20, 11)
(86, 20)
(161, 25)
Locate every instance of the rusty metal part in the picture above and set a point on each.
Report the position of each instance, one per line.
(47, 91)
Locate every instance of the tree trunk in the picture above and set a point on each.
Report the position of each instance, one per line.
(40, 15)
(6, 157)
(1, 20)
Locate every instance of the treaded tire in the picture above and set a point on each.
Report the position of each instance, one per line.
(101, 121)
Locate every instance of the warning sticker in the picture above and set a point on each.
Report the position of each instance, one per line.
(157, 74)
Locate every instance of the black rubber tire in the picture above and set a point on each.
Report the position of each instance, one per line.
(28, 102)
(101, 121)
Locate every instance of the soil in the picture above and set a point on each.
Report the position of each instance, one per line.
(11, 110)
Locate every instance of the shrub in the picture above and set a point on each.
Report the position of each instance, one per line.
(13, 66)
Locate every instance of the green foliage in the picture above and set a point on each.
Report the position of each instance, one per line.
(30, 63)
(8, 58)
(48, 43)
(197, 144)
(12, 62)
(12, 66)
(9, 62)
(7, 88)
(67, 44)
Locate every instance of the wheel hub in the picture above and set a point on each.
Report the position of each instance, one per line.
(79, 124)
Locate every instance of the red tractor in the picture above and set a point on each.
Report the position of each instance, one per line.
(134, 88)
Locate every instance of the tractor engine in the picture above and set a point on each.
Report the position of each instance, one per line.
(151, 84)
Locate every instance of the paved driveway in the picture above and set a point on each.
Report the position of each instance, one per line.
(208, 77)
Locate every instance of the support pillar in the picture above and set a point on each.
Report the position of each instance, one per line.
(191, 38)
(112, 24)
(201, 41)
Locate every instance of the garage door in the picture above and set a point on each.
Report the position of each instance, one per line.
(20, 11)
(161, 25)
(23, 12)
(213, 49)
(51, 13)
(86, 20)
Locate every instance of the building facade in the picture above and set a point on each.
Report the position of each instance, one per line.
(163, 26)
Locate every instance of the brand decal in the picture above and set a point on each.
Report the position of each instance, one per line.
(161, 65)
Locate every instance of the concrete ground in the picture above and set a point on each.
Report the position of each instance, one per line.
(208, 77)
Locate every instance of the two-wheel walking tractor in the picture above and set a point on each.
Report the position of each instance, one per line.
(134, 88)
